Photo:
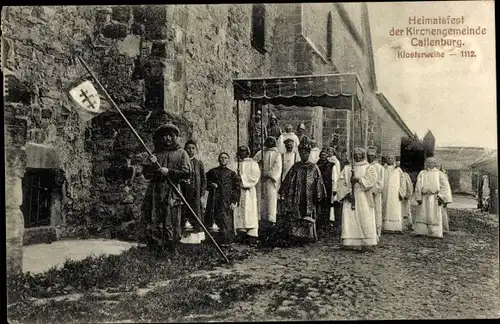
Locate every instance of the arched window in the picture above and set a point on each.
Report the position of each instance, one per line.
(259, 27)
(329, 36)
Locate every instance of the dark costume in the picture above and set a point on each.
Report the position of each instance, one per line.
(193, 190)
(326, 169)
(302, 191)
(161, 207)
(258, 133)
(220, 199)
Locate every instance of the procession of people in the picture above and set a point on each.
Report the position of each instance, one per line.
(285, 188)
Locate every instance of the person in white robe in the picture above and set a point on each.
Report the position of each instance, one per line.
(430, 194)
(336, 210)
(271, 167)
(392, 195)
(246, 214)
(406, 202)
(358, 225)
(289, 158)
(301, 132)
(286, 135)
(315, 151)
(448, 200)
(377, 188)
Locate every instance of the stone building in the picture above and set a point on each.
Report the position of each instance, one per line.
(457, 161)
(160, 63)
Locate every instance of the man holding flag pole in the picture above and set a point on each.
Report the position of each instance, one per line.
(163, 198)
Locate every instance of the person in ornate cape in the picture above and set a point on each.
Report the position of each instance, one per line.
(392, 195)
(246, 213)
(431, 193)
(378, 187)
(193, 190)
(288, 134)
(271, 168)
(161, 207)
(223, 186)
(359, 228)
(302, 191)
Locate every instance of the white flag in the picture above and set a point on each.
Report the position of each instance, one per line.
(88, 100)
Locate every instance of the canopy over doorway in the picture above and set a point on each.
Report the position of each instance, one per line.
(334, 91)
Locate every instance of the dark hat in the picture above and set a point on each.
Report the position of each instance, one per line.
(288, 140)
(168, 128)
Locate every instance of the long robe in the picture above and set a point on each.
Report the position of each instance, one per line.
(394, 187)
(336, 211)
(406, 202)
(327, 170)
(193, 190)
(283, 138)
(161, 207)
(302, 191)
(358, 225)
(314, 156)
(220, 199)
(430, 186)
(377, 191)
(246, 214)
(287, 161)
(448, 200)
(267, 188)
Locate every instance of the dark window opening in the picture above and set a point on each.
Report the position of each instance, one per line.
(329, 36)
(40, 188)
(259, 27)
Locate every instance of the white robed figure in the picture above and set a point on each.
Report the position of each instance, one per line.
(406, 202)
(268, 187)
(289, 158)
(335, 178)
(448, 200)
(286, 135)
(430, 194)
(377, 188)
(315, 151)
(246, 214)
(358, 225)
(392, 195)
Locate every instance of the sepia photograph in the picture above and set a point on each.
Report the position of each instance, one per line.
(249, 162)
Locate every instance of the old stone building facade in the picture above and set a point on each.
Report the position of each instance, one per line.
(160, 63)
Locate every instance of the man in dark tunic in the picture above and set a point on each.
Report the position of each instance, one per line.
(274, 130)
(193, 190)
(302, 192)
(223, 186)
(326, 168)
(258, 133)
(161, 207)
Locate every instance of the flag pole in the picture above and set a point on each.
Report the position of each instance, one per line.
(177, 191)
(353, 205)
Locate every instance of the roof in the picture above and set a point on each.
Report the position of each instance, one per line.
(457, 157)
(393, 113)
(327, 90)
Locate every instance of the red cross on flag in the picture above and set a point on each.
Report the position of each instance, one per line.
(87, 100)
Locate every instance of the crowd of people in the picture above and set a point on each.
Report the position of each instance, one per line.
(288, 188)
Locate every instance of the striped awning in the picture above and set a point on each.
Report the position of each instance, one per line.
(339, 91)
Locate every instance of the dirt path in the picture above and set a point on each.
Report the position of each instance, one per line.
(406, 277)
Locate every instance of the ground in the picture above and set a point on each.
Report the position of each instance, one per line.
(406, 277)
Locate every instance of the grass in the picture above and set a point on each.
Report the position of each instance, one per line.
(134, 268)
(184, 297)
